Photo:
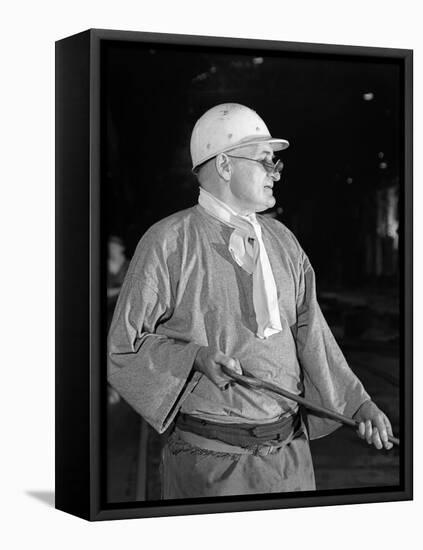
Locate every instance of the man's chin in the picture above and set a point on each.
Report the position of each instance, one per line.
(269, 204)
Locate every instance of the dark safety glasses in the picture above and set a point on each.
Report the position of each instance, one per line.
(270, 167)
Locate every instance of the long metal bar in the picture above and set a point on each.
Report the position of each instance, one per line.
(252, 382)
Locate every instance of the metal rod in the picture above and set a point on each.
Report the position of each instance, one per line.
(252, 382)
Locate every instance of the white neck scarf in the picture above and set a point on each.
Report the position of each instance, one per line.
(247, 249)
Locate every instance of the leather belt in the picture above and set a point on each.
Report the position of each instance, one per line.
(243, 434)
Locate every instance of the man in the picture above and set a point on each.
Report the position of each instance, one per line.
(215, 285)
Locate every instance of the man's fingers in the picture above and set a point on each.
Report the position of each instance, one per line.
(368, 431)
(384, 438)
(388, 429)
(218, 377)
(388, 426)
(236, 365)
(380, 425)
(214, 373)
(374, 426)
(388, 445)
(221, 383)
(229, 362)
(384, 428)
(210, 364)
(362, 430)
(376, 439)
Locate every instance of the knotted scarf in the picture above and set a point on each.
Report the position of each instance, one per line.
(248, 251)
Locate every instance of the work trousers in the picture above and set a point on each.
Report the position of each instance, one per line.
(193, 466)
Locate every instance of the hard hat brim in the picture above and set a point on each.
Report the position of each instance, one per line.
(277, 144)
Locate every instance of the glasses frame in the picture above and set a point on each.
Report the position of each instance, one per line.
(270, 167)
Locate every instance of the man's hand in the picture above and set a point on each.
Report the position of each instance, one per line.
(374, 425)
(209, 363)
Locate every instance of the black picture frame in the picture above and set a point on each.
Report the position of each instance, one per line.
(80, 282)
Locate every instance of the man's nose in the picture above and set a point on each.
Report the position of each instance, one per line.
(276, 172)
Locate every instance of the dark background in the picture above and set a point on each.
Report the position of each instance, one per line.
(340, 193)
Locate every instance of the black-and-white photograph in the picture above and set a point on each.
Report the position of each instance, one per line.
(252, 216)
(209, 249)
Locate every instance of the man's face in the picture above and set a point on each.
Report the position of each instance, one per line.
(251, 184)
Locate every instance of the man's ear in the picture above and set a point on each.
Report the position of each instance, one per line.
(223, 166)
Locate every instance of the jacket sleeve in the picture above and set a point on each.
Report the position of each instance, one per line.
(328, 380)
(151, 371)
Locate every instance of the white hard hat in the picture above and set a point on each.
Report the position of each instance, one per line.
(226, 127)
